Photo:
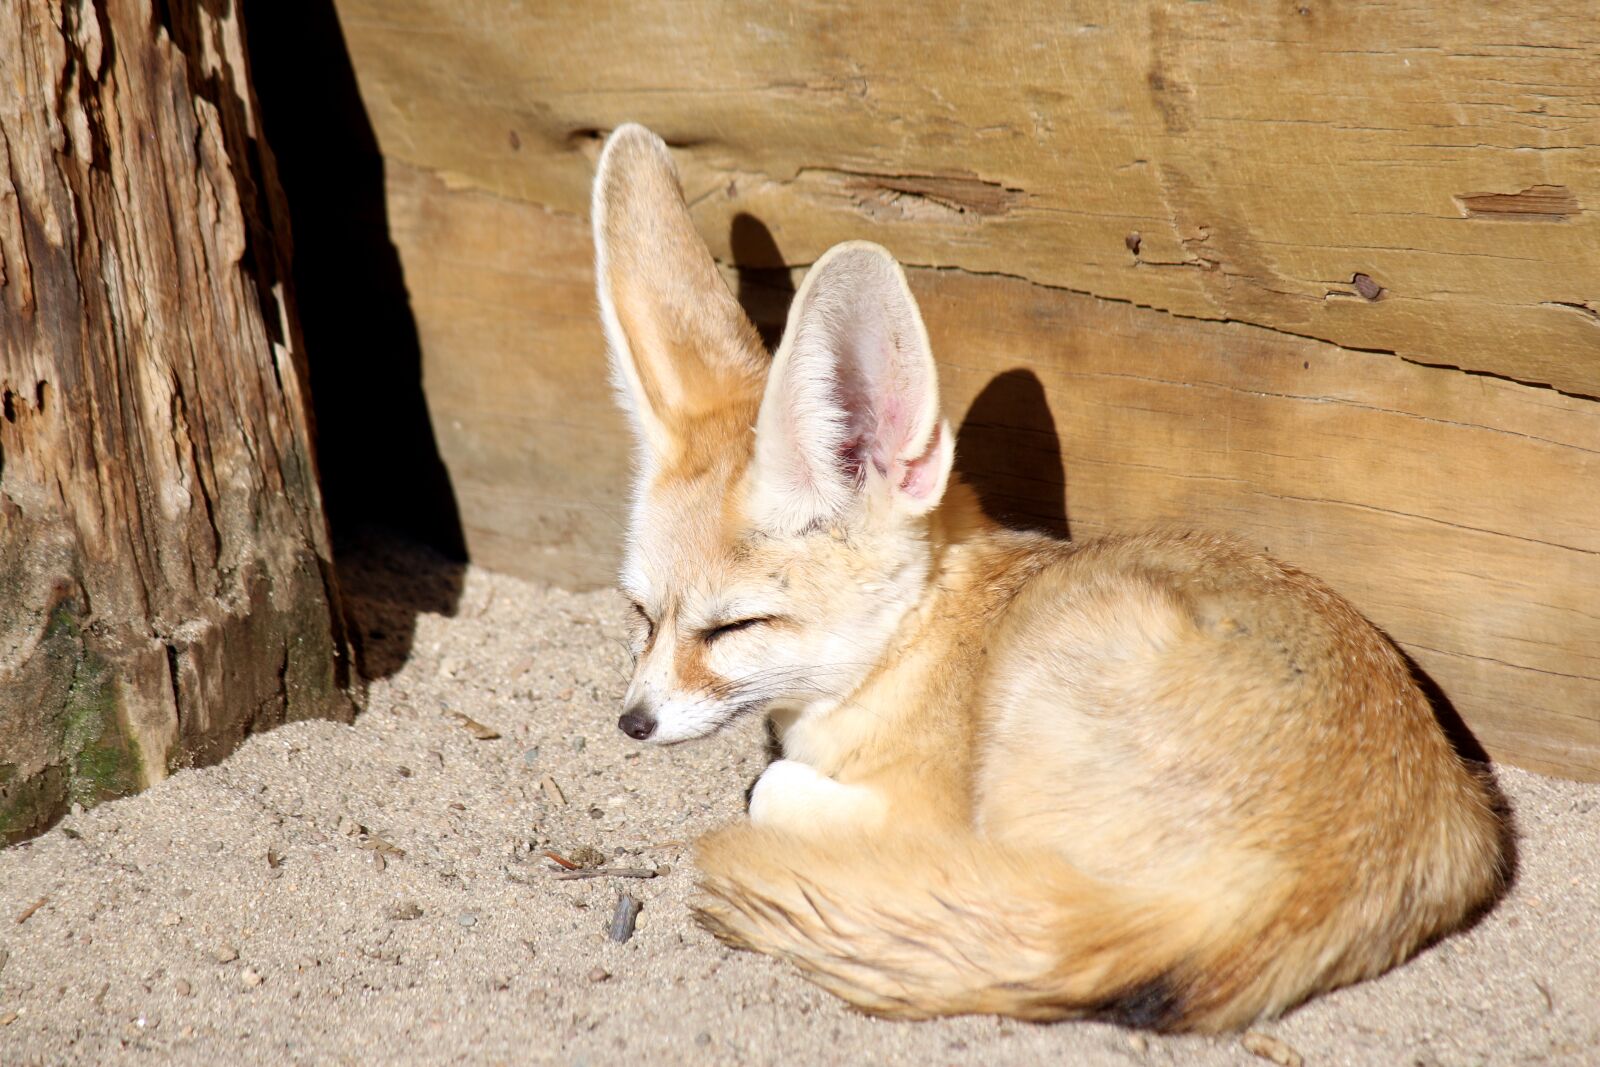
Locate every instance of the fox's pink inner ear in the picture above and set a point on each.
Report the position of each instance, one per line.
(879, 389)
(925, 476)
(852, 404)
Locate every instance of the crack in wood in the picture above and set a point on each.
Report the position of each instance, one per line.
(1585, 310)
(921, 195)
(1256, 325)
(1537, 203)
(800, 267)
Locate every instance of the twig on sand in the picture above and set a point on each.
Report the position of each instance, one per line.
(562, 860)
(1549, 1001)
(552, 791)
(605, 872)
(474, 727)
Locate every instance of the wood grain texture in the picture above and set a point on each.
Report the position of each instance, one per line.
(165, 582)
(515, 375)
(1260, 158)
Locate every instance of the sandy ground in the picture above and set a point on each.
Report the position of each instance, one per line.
(377, 893)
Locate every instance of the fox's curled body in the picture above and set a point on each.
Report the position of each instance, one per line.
(1159, 778)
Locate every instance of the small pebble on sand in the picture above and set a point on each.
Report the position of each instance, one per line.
(1273, 1049)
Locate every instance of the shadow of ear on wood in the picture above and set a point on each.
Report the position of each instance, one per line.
(1007, 450)
(765, 288)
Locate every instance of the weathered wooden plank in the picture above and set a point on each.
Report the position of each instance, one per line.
(515, 377)
(1449, 507)
(1417, 178)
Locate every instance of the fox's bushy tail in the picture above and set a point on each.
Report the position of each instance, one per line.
(917, 928)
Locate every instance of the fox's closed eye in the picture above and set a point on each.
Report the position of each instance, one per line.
(644, 617)
(734, 627)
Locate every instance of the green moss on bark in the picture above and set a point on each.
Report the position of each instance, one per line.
(28, 805)
(63, 623)
(91, 756)
(104, 759)
(316, 677)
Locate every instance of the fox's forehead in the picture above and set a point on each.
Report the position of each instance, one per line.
(693, 551)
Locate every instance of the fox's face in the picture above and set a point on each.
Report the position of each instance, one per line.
(729, 617)
(778, 529)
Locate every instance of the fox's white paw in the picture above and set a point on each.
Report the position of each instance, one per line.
(786, 784)
(798, 797)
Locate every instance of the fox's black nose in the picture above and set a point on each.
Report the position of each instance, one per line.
(637, 723)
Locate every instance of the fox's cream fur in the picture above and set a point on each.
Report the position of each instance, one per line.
(1160, 778)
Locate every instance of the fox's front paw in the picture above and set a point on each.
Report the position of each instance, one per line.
(786, 784)
(798, 797)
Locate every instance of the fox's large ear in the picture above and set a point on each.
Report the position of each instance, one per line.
(680, 345)
(851, 409)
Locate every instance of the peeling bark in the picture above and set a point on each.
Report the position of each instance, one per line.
(165, 585)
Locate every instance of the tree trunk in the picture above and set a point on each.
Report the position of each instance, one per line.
(165, 578)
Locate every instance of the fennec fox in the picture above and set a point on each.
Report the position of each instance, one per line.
(1162, 779)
